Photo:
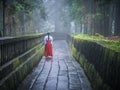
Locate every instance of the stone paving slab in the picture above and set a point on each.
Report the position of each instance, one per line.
(61, 72)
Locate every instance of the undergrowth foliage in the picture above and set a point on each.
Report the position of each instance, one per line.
(112, 42)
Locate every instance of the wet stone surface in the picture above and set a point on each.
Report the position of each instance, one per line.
(61, 72)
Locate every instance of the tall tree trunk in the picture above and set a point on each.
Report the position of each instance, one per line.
(106, 22)
(112, 19)
(22, 22)
(1, 19)
(117, 18)
(4, 9)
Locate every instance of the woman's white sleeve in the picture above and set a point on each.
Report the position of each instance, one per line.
(52, 40)
(44, 40)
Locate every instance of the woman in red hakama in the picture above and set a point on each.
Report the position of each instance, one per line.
(48, 46)
(48, 49)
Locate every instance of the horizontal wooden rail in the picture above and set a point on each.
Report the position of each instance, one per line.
(13, 47)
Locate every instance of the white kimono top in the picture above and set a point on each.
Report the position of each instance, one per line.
(46, 38)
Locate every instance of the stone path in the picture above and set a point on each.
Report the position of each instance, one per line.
(60, 73)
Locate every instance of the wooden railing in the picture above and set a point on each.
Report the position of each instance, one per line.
(13, 47)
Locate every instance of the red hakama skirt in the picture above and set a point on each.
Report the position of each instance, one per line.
(48, 49)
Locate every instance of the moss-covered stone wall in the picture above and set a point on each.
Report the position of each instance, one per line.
(101, 64)
(16, 70)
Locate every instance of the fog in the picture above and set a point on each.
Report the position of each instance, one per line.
(68, 16)
(58, 19)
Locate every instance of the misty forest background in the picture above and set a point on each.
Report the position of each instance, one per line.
(91, 28)
(20, 17)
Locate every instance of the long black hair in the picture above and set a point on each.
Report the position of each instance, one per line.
(48, 35)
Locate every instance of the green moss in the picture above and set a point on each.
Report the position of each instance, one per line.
(4, 87)
(29, 35)
(16, 63)
(114, 45)
(93, 75)
(20, 72)
(81, 60)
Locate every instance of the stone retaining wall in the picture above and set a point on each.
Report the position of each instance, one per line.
(101, 64)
